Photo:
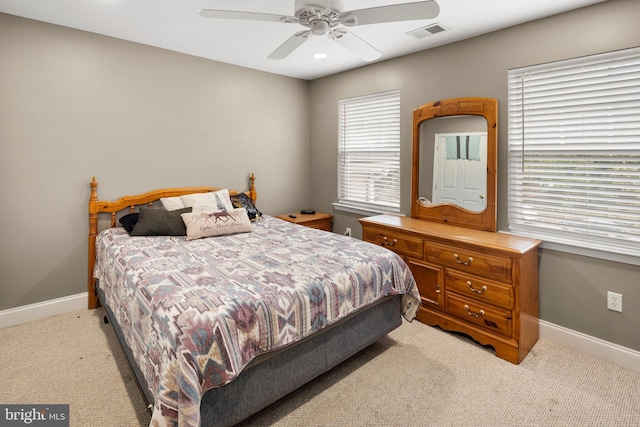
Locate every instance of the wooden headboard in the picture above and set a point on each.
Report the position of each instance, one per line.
(97, 207)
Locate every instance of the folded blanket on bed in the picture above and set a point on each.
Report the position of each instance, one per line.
(195, 313)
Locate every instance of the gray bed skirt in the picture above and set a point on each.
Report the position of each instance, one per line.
(272, 376)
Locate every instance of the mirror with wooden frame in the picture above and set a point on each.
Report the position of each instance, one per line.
(454, 169)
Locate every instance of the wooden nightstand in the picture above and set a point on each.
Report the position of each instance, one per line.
(319, 220)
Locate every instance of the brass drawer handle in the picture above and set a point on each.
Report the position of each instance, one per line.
(385, 242)
(472, 289)
(472, 314)
(459, 261)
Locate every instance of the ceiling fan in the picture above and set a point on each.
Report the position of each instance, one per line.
(321, 20)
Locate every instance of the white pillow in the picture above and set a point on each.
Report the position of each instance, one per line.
(199, 202)
(206, 224)
(172, 203)
(208, 202)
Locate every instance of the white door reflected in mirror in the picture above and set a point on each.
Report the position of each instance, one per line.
(460, 165)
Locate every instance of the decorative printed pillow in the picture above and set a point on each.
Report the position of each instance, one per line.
(206, 224)
(241, 200)
(208, 202)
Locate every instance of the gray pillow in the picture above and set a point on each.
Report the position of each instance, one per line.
(160, 222)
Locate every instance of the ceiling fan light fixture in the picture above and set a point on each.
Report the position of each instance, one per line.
(319, 27)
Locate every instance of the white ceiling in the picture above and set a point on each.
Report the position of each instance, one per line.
(176, 25)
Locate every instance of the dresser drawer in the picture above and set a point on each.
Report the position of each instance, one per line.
(400, 243)
(479, 313)
(479, 288)
(469, 260)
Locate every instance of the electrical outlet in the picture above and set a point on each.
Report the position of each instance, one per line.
(347, 232)
(614, 301)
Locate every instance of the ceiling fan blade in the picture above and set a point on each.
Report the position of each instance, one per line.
(355, 44)
(291, 44)
(231, 14)
(393, 13)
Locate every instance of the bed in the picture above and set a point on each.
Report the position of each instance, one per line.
(218, 326)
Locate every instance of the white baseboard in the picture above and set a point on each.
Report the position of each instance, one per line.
(41, 310)
(603, 350)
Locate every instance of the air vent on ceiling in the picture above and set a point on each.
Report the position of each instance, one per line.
(426, 31)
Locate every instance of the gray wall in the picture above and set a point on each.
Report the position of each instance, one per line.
(572, 288)
(75, 105)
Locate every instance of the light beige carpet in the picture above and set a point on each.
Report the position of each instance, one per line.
(417, 376)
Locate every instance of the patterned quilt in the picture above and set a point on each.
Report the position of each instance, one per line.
(195, 313)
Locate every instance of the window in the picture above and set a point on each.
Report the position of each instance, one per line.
(574, 152)
(369, 153)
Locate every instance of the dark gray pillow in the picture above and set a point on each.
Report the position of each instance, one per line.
(160, 222)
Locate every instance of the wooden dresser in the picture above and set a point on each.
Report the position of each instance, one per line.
(481, 283)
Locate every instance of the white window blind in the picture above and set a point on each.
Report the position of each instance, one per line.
(574, 151)
(369, 152)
